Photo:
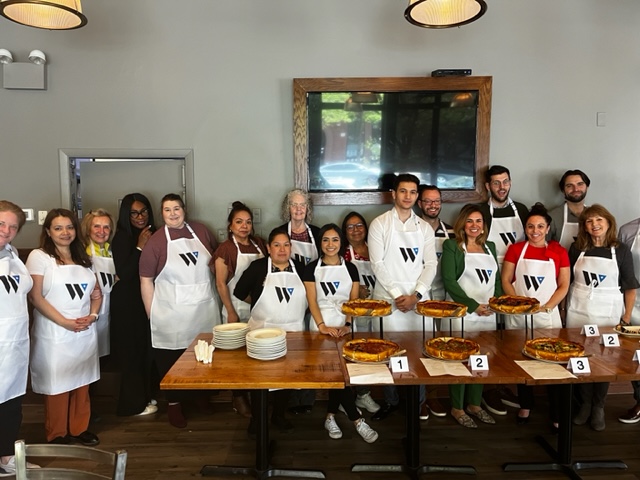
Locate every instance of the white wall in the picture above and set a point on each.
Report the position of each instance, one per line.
(215, 76)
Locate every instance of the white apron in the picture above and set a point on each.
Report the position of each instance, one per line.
(244, 260)
(404, 259)
(595, 297)
(283, 301)
(437, 285)
(333, 288)
(535, 278)
(368, 279)
(569, 231)
(183, 305)
(478, 280)
(105, 271)
(15, 283)
(304, 252)
(62, 360)
(635, 253)
(505, 231)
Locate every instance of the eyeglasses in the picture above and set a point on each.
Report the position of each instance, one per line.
(298, 205)
(139, 213)
(498, 183)
(353, 226)
(428, 203)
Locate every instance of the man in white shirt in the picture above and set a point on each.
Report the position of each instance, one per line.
(403, 257)
(574, 184)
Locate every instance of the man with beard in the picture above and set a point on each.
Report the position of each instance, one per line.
(430, 204)
(574, 184)
(503, 217)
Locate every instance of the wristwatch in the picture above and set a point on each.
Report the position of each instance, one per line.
(418, 295)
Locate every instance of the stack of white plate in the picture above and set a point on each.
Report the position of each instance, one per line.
(229, 336)
(267, 343)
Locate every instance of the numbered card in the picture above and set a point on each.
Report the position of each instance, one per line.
(479, 362)
(636, 356)
(610, 340)
(590, 330)
(579, 365)
(399, 364)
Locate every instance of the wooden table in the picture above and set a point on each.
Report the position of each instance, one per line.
(312, 361)
(502, 370)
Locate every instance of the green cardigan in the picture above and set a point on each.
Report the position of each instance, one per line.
(452, 267)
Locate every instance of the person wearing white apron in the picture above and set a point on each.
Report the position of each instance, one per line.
(602, 293)
(97, 226)
(278, 300)
(64, 342)
(569, 230)
(179, 300)
(574, 185)
(238, 251)
(297, 210)
(15, 283)
(471, 277)
(505, 231)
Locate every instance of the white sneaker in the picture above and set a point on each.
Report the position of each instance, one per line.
(148, 410)
(367, 433)
(153, 402)
(9, 469)
(341, 409)
(332, 427)
(369, 404)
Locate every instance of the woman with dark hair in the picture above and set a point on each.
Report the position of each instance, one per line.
(14, 335)
(64, 342)
(176, 283)
(540, 269)
(230, 260)
(330, 281)
(130, 333)
(462, 258)
(602, 292)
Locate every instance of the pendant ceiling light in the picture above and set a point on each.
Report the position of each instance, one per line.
(444, 13)
(48, 14)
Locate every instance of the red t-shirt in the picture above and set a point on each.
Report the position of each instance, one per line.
(553, 251)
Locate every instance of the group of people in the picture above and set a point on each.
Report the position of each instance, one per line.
(143, 297)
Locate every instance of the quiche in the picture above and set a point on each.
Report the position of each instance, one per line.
(369, 349)
(514, 304)
(451, 348)
(553, 349)
(366, 307)
(441, 309)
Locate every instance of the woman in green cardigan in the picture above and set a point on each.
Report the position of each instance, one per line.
(470, 275)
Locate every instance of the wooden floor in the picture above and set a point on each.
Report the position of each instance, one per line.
(158, 451)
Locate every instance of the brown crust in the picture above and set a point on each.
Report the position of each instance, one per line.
(553, 349)
(514, 304)
(441, 309)
(451, 348)
(366, 307)
(369, 349)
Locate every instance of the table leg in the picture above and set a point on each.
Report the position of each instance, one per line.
(412, 467)
(262, 470)
(562, 456)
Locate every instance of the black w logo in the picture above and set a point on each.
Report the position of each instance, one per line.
(329, 288)
(76, 289)
(284, 293)
(10, 282)
(483, 275)
(409, 254)
(508, 237)
(532, 281)
(593, 279)
(369, 281)
(301, 259)
(189, 258)
(107, 279)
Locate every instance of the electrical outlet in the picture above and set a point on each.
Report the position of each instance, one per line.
(28, 212)
(257, 215)
(42, 215)
(222, 235)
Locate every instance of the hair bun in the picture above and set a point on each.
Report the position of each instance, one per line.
(238, 204)
(538, 209)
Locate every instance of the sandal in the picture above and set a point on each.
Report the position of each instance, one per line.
(466, 421)
(482, 415)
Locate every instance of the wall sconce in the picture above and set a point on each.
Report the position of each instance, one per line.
(444, 13)
(48, 14)
(23, 75)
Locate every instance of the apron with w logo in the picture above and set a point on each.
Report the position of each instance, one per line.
(505, 231)
(105, 271)
(333, 287)
(62, 360)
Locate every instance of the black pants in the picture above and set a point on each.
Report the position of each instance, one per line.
(164, 361)
(10, 421)
(346, 398)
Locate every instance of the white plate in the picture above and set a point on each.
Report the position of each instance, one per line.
(266, 335)
(267, 357)
(225, 327)
(619, 331)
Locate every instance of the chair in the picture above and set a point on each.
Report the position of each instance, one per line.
(117, 460)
